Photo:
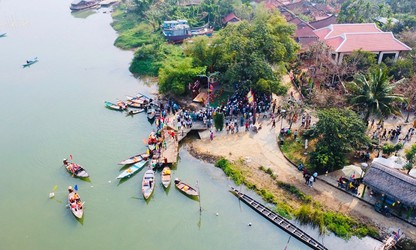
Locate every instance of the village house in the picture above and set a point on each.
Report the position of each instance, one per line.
(230, 18)
(343, 39)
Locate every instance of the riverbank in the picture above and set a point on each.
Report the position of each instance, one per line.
(256, 154)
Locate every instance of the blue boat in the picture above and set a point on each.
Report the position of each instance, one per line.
(131, 170)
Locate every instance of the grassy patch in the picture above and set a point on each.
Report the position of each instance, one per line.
(269, 171)
(295, 191)
(294, 150)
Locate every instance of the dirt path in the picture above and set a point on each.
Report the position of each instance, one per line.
(261, 149)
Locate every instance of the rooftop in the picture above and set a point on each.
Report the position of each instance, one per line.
(391, 182)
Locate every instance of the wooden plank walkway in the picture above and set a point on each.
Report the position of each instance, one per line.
(169, 150)
(279, 221)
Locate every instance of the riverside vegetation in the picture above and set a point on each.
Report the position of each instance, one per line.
(294, 203)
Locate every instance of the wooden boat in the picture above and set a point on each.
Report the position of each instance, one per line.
(84, 4)
(131, 170)
(139, 99)
(135, 111)
(166, 176)
(151, 112)
(75, 203)
(136, 105)
(148, 183)
(30, 62)
(134, 159)
(185, 188)
(120, 106)
(75, 169)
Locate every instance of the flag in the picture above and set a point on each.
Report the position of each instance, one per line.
(250, 97)
(76, 187)
(70, 157)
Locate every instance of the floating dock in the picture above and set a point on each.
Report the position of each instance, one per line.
(279, 221)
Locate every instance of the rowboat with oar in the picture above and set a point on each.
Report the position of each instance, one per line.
(132, 169)
(148, 183)
(134, 159)
(185, 188)
(75, 169)
(166, 176)
(75, 203)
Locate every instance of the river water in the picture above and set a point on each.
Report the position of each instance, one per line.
(55, 109)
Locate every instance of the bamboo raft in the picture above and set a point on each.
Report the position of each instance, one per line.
(279, 221)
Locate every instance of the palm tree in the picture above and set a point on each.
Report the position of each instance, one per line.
(374, 95)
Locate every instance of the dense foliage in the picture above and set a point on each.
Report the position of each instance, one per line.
(256, 52)
(338, 133)
(176, 74)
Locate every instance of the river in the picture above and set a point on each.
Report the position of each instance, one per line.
(55, 108)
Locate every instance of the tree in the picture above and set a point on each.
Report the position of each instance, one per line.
(411, 158)
(408, 89)
(219, 121)
(175, 74)
(256, 52)
(374, 95)
(339, 131)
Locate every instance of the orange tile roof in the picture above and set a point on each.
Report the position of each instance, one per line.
(366, 36)
(338, 29)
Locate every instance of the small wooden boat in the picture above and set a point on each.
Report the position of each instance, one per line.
(185, 188)
(30, 62)
(151, 112)
(75, 203)
(134, 159)
(120, 106)
(131, 170)
(148, 183)
(135, 105)
(75, 169)
(135, 111)
(166, 176)
(139, 99)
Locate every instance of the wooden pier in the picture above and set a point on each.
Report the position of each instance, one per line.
(279, 221)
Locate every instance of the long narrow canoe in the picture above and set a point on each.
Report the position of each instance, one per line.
(166, 177)
(134, 159)
(75, 169)
(185, 188)
(132, 169)
(148, 183)
(114, 106)
(75, 204)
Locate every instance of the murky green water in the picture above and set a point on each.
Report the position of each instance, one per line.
(56, 108)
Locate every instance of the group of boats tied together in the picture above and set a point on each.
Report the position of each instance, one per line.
(136, 104)
(135, 163)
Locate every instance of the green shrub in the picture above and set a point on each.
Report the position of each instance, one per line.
(226, 166)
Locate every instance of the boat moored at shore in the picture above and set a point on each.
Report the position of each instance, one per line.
(84, 4)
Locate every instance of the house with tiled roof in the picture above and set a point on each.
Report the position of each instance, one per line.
(230, 18)
(343, 39)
